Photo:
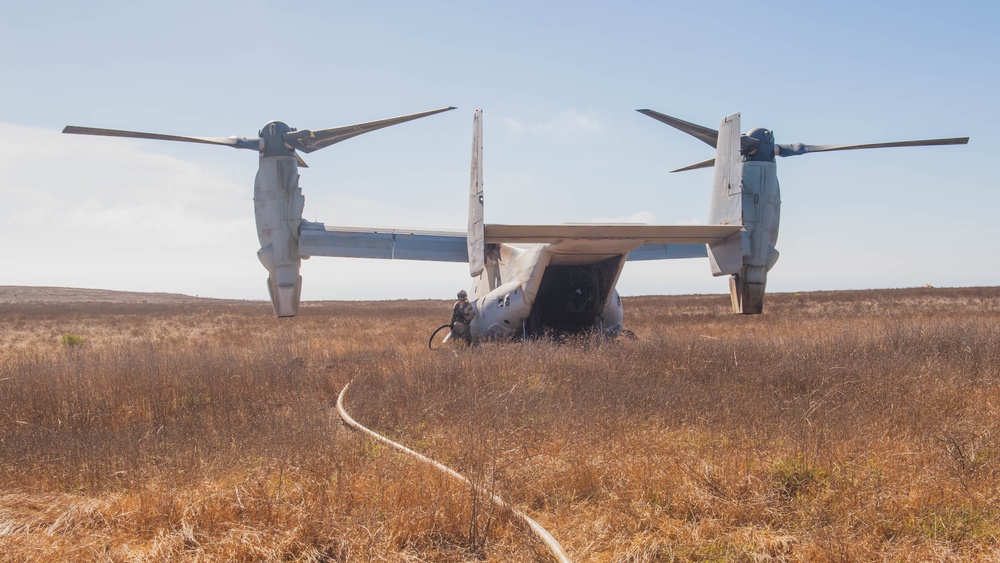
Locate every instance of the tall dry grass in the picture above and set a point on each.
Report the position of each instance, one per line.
(837, 426)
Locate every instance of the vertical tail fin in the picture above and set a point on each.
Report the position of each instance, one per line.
(476, 237)
(726, 206)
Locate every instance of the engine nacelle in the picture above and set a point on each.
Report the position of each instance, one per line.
(278, 205)
(761, 214)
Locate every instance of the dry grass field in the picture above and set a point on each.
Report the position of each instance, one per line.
(845, 426)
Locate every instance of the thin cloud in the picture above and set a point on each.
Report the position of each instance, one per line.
(564, 125)
(643, 217)
(646, 218)
(101, 211)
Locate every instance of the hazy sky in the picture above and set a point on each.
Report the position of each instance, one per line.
(558, 82)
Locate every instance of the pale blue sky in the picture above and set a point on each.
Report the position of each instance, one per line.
(559, 83)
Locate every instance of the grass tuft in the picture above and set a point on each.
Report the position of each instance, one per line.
(71, 340)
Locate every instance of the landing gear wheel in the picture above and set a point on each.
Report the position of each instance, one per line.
(440, 337)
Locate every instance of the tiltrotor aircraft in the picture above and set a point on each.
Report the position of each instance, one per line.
(529, 279)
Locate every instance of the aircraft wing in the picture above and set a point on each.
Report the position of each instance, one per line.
(668, 252)
(641, 242)
(316, 239)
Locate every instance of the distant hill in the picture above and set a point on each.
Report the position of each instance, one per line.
(30, 294)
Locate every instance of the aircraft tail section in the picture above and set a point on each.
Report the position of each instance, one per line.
(744, 192)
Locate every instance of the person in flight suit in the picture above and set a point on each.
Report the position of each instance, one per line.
(461, 316)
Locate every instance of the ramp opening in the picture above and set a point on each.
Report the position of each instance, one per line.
(571, 297)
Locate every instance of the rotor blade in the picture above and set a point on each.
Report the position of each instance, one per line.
(703, 164)
(235, 142)
(797, 148)
(708, 136)
(309, 141)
